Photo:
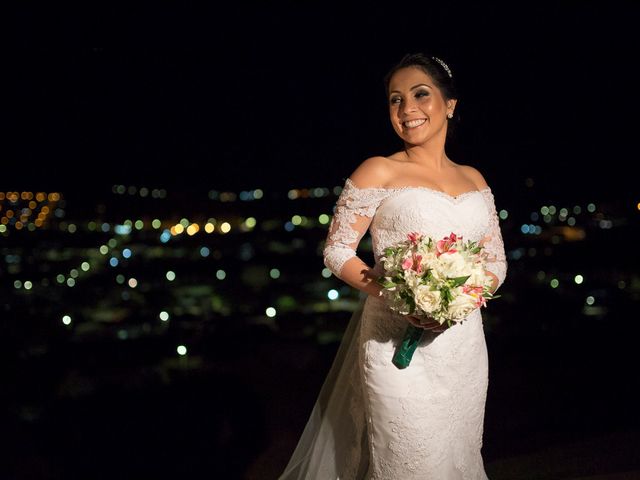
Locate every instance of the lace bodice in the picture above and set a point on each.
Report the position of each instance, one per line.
(389, 214)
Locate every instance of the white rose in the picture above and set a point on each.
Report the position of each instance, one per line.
(461, 306)
(453, 265)
(478, 277)
(428, 260)
(427, 300)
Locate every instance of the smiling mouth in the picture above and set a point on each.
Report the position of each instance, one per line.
(414, 123)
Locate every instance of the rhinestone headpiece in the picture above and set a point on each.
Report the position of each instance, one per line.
(444, 65)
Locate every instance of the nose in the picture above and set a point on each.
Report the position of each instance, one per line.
(407, 107)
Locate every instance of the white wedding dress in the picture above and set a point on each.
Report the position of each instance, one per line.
(372, 420)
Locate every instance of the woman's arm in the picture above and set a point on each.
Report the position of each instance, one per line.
(492, 241)
(352, 216)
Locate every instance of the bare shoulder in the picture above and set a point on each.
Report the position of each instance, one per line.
(475, 176)
(372, 172)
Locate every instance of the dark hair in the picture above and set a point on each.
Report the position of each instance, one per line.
(438, 70)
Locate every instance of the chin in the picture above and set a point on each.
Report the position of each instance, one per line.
(416, 139)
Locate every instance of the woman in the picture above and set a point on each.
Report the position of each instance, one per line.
(373, 420)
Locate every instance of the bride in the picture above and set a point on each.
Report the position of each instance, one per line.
(372, 420)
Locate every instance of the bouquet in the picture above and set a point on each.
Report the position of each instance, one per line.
(441, 280)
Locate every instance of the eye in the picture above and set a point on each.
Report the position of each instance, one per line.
(421, 94)
(395, 100)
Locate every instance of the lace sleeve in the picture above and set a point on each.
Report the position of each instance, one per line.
(494, 245)
(352, 216)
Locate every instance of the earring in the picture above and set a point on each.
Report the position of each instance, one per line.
(450, 115)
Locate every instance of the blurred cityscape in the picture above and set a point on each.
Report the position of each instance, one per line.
(164, 334)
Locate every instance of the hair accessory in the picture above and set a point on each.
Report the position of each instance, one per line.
(444, 65)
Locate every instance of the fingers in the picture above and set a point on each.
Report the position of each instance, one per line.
(438, 328)
(484, 240)
(432, 325)
(415, 322)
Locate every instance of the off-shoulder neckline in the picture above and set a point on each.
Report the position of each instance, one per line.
(420, 187)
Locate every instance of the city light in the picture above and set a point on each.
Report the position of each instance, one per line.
(165, 236)
(333, 294)
(193, 229)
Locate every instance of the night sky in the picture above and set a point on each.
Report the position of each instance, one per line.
(281, 95)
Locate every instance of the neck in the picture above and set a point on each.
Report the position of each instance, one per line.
(430, 156)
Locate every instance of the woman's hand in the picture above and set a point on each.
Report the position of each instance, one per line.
(428, 324)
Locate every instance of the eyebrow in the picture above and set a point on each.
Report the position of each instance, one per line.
(414, 87)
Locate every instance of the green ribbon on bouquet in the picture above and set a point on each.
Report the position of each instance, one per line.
(404, 352)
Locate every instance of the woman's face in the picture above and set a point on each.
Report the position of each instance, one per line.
(417, 109)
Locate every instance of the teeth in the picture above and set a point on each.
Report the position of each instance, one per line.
(414, 123)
